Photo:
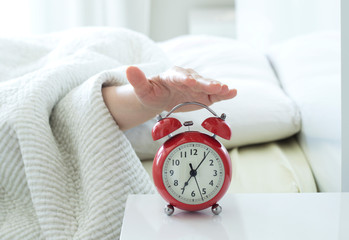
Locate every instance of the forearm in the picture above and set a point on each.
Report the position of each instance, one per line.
(125, 107)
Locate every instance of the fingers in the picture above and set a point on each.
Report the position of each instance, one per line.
(219, 97)
(215, 89)
(210, 86)
(179, 81)
(196, 82)
(206, 85)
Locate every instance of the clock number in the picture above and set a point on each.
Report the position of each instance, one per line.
(175, 182)
(215, 173)
(211, 183)
(175, 162)
(211, 162)
(204, 191)
(193, 152)
(171, 172)
(193, 193)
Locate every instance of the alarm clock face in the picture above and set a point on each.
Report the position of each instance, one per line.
(193, 173)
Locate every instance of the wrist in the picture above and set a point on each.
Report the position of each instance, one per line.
(125, 107)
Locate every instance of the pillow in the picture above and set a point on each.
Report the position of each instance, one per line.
(261, 111)
(309, 68)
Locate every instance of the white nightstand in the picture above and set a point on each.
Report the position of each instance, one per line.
(310, 216)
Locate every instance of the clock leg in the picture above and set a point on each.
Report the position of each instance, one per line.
(216, 209)
(169, 209)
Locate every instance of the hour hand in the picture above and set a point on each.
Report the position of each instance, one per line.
(185, 184)
(193, 171)
(192, 174)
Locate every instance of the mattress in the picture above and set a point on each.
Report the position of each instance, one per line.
(273, 167)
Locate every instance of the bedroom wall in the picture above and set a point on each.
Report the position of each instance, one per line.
(266, 22)
(170, 18)
(345, 96)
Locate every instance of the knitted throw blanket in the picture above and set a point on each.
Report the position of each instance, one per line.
(65, 167)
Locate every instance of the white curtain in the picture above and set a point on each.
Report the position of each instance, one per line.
(22, 17)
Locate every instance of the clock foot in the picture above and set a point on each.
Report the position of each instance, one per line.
(169, 209)
(216, 209)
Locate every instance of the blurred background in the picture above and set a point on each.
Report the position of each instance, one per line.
(260, 22)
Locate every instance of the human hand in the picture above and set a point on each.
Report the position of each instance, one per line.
(175, 86)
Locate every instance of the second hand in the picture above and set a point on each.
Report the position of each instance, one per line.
(194, 175)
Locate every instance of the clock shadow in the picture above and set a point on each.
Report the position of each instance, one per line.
(194, 215)
(195, 225)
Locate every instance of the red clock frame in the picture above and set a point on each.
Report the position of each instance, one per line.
(171, 144)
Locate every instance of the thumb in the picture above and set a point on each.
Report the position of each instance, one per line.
(136, 78)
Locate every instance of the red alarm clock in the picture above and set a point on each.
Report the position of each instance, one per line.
(192, 170)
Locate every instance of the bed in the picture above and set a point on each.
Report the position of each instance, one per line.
(66, 168)
(267, 147)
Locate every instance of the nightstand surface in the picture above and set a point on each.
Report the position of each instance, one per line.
(320, 216)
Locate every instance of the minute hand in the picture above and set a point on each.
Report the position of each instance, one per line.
(205, 155)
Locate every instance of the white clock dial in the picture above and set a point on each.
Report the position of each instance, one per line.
(193, 173)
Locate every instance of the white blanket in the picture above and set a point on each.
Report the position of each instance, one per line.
(65, 167)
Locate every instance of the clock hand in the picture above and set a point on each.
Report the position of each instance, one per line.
(192, 174)
(192, 171)
(185, 184)
(205, 155)
(197, 184)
